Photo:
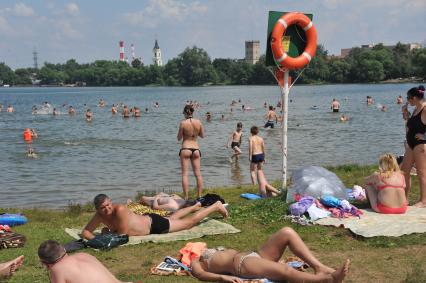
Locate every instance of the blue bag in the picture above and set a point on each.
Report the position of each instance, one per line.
(330, 201)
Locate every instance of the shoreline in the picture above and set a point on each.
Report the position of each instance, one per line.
(391, 81)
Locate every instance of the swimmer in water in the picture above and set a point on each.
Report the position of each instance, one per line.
(28, 135)
(335, 105)
(71, 111)
(344, 118)
(136, 112)
(271, 117)
(102, 103)
(146, 110)
(9, 109)
(33, 110)
(235, 141)
(208, 117)
(114, 109)
(55, 112)
(89, 115)
(126, 112)
(384, 108)
(222, 118)
(399, 100)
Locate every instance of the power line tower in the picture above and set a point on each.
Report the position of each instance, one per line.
(35, 58)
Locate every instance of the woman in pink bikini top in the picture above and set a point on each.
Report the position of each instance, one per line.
(386, 188)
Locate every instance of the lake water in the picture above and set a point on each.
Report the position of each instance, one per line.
(120, 157)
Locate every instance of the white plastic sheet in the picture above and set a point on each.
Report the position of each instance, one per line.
(315, 181)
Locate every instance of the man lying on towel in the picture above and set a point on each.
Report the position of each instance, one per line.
(119, 219)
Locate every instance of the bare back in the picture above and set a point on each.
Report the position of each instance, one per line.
(81, 268)
(391, 191)
(257, 145)
(190, 130)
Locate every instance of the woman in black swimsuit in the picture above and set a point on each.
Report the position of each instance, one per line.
(189, 130)
(415, 151)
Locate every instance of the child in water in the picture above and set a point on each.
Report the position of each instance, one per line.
(257, 158)
(235, 141)
(28, 136)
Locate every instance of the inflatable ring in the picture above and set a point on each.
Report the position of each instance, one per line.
(277, 37)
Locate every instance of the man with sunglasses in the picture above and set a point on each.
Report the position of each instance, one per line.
(76, 268)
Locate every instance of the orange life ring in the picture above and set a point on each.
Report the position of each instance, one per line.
(277, 37)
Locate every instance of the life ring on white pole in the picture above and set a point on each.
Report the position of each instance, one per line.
(280, 27)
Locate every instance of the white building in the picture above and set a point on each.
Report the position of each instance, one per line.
(157, 55)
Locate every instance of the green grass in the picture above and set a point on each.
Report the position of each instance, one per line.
(379, 259)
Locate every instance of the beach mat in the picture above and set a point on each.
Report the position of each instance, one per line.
(207, 227)
(374, 224)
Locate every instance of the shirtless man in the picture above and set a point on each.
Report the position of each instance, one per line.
(272, 117)
(119, 219)
(257, 158)
(335, 105)
(76, 268)
(9, 109)
(126, 112)
(235, 141)
(164, 201)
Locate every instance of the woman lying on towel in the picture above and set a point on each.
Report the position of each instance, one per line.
(386, 188)
(227, 265)
(165, 201)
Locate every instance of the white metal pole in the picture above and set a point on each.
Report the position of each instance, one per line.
(284, 100)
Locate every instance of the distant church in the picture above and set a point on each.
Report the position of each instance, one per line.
(157, 55)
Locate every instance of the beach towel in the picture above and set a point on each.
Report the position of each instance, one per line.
(372, 224)
(206, 227)
(250, 196)
(141, 209)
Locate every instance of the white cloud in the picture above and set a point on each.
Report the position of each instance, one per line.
(158, 10)
(67, 30)
(72, 9)
(5, 28)
(20, 9)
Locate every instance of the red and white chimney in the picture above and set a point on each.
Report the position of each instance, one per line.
(122, 51)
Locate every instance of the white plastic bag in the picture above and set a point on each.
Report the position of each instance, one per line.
(315, 181)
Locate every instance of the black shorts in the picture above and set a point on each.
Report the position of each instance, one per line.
(159, 224)
(234, 144)
(335, 110)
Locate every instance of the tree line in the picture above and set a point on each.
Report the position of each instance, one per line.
(194, 67)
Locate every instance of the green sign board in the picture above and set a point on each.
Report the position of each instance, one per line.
(294, 39)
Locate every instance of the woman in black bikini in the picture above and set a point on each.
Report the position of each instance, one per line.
(189, 130)
(415, 150)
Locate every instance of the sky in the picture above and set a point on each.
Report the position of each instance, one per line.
(90, 30)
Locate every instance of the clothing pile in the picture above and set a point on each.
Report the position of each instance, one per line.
(326, 206)
(10, 239)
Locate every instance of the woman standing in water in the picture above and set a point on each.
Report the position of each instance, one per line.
(415, 150)
(189, 130)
